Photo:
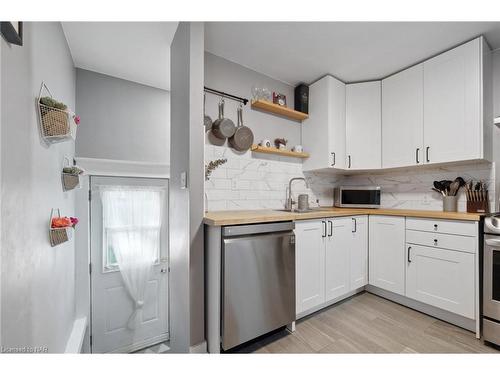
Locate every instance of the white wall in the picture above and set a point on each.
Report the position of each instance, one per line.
(224, 75)
(121, 120)
(186, 202)
(38, 287)
(496, 129)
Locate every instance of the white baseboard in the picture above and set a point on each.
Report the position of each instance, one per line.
(75, 341)
(461, 321)
(200, 348)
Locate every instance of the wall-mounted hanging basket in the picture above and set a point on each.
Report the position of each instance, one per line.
(58, 235)
(56, 125)
(70, 175)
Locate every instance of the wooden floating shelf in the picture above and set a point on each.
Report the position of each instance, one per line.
(272, 150)
(267, 106)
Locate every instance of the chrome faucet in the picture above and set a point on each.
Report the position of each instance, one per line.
(289, 200)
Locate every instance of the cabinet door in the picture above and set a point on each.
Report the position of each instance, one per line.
(387, 253)
(452, 104)
(310, 264)
(441, 278)
(338, 242)
(359, 252)
(403, 118)
(323, 133)
(363, 125)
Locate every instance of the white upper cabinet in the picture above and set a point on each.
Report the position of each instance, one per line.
(457, 123)
(403, 118)
(323, 133)
(363, 126)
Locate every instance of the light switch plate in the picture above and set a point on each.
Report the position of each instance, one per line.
(183, 180)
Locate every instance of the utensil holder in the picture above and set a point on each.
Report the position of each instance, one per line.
(478, 206)
(58, 236)
(450, 203)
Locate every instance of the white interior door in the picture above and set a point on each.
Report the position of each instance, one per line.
(121, 320)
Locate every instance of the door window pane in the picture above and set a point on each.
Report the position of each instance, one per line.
(132, 221)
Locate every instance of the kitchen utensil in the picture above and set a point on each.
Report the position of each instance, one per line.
(461, 181)
(446, 185)
(207, 121)
(455, 185)
(242, 138)
(439, 191)
(223, 128)
(438, 186)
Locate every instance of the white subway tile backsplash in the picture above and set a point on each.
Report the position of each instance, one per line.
(254, 181)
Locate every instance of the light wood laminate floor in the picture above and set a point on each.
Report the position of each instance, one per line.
(367, 323)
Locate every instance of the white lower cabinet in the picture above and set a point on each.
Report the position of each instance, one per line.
(441, 278)
(331, 259)
(387, 253)
(337, 257)
(310, 264)
(358, 252)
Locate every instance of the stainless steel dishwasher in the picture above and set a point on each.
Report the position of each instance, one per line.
(258, 280)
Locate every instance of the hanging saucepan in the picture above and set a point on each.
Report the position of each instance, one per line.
(207, 121)
(223, 128)
(243, 136)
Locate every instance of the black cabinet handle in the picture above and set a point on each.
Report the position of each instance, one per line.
(333, 160)
(435, 242)
(416, 155)
(349, 165)
(355, 225)
(409, 249)
(324, 229)
(331, 228)
(427, 154)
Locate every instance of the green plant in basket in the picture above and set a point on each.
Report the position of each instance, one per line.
(49, 102)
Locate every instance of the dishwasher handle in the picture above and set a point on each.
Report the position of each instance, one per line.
(240, 230)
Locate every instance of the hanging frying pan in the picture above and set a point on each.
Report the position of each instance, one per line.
(207, 121)
(223, 128)
(243, 136)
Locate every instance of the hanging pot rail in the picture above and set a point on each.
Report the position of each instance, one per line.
(226, 95)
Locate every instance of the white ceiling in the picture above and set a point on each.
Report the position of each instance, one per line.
(295, 52)
(135, 51)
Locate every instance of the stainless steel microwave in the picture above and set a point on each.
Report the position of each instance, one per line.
(357, 196)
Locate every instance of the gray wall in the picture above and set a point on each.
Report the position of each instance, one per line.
(38, 287)
(186, 204)
(224, 75)
(121, 120)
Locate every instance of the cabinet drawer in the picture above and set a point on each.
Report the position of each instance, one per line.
(443, 241)
(463, 228)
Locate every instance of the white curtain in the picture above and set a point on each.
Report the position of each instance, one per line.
(131, 225)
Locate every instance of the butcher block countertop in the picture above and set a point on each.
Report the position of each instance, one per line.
(221, 218)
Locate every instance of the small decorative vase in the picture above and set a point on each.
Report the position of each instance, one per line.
(450, 204)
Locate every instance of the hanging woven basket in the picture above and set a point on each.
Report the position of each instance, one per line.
(56, 125)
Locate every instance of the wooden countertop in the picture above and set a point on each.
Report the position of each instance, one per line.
(220, 218)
